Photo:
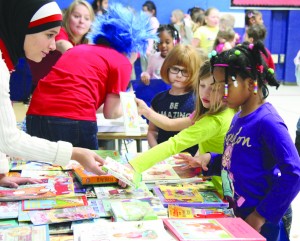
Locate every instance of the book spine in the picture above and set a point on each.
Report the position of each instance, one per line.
(97, 179)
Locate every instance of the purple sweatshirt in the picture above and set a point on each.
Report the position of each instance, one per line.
(258, 148)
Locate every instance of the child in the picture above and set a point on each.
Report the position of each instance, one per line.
(185, 32)
(256, 33)
(253, 17)
(260, 165)
(205, 36)
(212, 119)
(225, 40)
(64, 104)
(168, 37)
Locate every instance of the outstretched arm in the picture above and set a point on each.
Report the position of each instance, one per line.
(162, 121)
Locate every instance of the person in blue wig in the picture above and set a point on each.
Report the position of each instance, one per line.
(65, 102)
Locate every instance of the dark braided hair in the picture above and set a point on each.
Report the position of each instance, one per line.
(246, 61)
(171, 30)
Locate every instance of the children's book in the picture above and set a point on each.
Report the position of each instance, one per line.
(44, 204)
(132, 211)
(62, 215)
(116, 192)
(122, 231)
(61, 238)
(158, 173)
(6, 223)
(53, 187)
(18, 165)
(122, 172)
(23, 215)
(9, 210)
(97, 205)
(229, 229)
(187, 197)
(190, 212)
(44, 174)
(78, 187)
(25, 233)
(130, 113)
(88, 178)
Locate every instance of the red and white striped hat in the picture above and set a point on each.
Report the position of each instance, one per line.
(48, 16)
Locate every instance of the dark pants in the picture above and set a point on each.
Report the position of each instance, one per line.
(79, 133)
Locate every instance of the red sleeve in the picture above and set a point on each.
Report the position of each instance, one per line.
(62, 35)
(119, 78)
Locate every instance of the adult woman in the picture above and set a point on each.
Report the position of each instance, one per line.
(77, 21)
(28, 28)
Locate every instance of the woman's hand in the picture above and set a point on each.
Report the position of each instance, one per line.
(191, 162)
(14, 182)
(89, 160)
(255, 220)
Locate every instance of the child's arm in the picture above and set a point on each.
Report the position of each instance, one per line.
(152, 134)
(162, 121)
(255, 220)
(192, 162)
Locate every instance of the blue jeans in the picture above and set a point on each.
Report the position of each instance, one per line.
(79, 133)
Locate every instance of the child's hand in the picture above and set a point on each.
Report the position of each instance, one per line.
(192, 162)
(145, 78)
(14, 182)
(255, 220)
(141, 106)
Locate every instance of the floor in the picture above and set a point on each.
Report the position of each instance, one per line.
(287, 102)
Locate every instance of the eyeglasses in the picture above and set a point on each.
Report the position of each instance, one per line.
(175, 70)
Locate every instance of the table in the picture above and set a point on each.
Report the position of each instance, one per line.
(123, 136)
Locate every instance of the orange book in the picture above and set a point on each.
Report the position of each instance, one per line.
(88, 178)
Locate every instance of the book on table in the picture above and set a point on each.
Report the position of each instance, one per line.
(218, 229)
(9, 210)
(30, 232)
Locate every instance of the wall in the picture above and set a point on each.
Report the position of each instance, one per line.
(283, 38)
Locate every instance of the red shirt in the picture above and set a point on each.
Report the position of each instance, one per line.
(80, 80)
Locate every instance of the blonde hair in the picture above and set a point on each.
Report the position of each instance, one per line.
(185, 56)
(227, 20)
(227, 34)
(68, 13)
(217, 105)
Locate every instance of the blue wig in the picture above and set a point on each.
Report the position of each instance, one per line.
(123, 30)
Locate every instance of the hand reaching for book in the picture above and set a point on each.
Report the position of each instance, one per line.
(88, 159)
(14, 182)
(189, 161)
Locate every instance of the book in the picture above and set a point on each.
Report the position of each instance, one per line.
(32, 233)
(60, 228)
(62, 215)
(178, 197)
(132, 211)
(229, 229)
(44, 174)
(44, 204)
(116, 192)
(9, 210)
(158, 173)
(78, 187)
(18, 165)
(6, 223)
(190, 212)
(52, 187)
(122, 231)
(88, 178)
(23, 215)
(61, 238)
(122, 172)
(130, 113)
(97, 205)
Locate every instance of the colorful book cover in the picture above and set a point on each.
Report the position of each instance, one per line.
(52, 187)
(9, 210)
(44, 204)
(61, 238)
(230, 229)
(23, 215)
(116, 192)
(98, 207)
(130, 113)
(190, 212)
(18, 165)
(122, 172)
(122, 231)
(78, 187)
(182, 194)
(210, 199)
(88, 178)
(44, 174)
(25, 233)
(132, 211)
(62, 215)
(6, 223)
(158, 173)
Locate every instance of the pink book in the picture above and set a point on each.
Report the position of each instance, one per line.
(218, 229)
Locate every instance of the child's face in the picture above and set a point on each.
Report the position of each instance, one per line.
(213, 19)
(173, 19)
(205, 88)
(166, 43)
(146, 10)
(178, 76)
(237, 93)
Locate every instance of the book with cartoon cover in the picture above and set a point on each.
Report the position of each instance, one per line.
(24, 233)
(158, 173)
(9, 210)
